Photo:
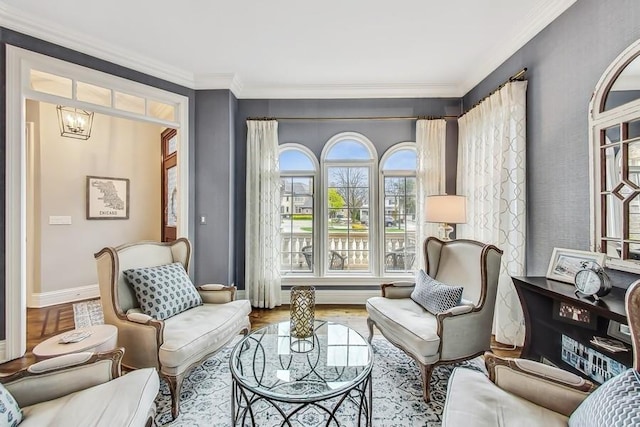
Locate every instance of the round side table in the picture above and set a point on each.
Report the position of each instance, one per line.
(102, 338)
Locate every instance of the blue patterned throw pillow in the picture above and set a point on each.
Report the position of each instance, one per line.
(434, 296)
(614, 403)
(163, 291)
(10, 412)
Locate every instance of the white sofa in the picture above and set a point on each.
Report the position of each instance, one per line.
(84, 389)
(175, 345)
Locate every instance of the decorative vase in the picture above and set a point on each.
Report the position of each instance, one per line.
(303, 300)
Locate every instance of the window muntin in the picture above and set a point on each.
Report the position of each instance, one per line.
(399, 199)
(298, 170)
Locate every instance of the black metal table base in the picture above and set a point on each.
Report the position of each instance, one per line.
(244, 402)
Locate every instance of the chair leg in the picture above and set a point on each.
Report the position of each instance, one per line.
(175, 385)
(370, 326)
(426, 371)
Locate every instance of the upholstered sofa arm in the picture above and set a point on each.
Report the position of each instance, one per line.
(216, 293)
(397, 290)
(546, 386)
(62, 375)
(457, 310)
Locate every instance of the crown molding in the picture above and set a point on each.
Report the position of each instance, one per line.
(229, 81)
(17, 20)
(343, 91)
(537, 20)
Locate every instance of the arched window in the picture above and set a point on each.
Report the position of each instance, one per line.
(349, 170)
(298, 173)
(398, 207)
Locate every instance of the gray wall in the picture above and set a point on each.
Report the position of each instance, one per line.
(564, 61)
(314, 134)
(50, 49)
(214, 192)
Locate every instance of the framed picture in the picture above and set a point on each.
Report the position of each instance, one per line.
(565, 263)
(107, 198)
(568, 313)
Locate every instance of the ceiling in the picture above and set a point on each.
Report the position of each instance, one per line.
(293, 48)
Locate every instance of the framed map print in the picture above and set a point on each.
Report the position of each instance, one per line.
(107, 198)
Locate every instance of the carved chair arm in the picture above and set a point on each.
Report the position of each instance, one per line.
(216, 293)
(544, 385)
(397, 289)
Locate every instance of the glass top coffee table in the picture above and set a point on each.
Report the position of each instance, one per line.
(277, 376)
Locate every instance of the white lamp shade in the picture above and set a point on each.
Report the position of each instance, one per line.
(446, 209)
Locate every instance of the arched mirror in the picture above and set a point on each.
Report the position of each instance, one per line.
(615, 162)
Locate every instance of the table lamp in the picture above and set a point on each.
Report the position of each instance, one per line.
(446, 210)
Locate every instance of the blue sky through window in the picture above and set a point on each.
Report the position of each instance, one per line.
(401, 160)
(294, 160)
(348, 150)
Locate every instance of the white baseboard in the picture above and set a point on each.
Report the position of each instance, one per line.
(3, 351)
(330, 296)
(63, 296)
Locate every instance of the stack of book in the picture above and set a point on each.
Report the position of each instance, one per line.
(609, 344)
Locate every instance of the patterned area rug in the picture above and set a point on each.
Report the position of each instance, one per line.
(88, 313)
(397, 393)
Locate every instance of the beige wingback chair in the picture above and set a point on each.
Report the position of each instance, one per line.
(460, 333)
(520, 392)
(174, 345)
(84, 389)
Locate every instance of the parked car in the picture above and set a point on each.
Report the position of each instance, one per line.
(389, 221)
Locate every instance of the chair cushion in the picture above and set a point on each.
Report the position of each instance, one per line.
(435, 296)
(163, 291)
(405, 323)
(124, 401)
(10, 413)
(202, 330)
(474, 401)
(614, 403)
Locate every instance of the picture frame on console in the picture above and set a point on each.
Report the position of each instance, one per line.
(565, 263)
(107, 197)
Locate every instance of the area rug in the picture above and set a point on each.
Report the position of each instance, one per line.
(88, 313)
(397, 393)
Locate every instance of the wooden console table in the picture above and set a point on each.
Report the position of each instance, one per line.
(543, 300)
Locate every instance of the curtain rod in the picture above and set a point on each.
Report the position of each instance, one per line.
(520, 75)
(380, 118)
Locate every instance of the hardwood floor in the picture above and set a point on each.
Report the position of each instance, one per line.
(45, 322)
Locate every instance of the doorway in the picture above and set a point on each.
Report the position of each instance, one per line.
(78, 87)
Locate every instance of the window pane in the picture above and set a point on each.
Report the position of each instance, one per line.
(399, 223)
(348, 150)
(295, 160)
(93, 94)
(50, 83)
(130, 103)
(296, 222)
(172, 196)
(162, 111)
(348, 223)
(401, 160)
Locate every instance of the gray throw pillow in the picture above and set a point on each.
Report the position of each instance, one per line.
(614, 403)
(163, 291)
(10, 412)
(434, 296)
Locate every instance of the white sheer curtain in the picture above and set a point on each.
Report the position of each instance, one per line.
(430, 145)
(491, 173)
(262, 251)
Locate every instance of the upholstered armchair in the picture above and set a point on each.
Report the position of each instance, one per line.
(176, 344)
(520, 392)
(84, 389)
(460, 333)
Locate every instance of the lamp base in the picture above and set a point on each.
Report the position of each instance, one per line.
(445, 231)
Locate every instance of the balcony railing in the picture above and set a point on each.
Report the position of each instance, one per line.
(353, 246)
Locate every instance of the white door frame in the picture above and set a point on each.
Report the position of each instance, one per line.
(19, 62)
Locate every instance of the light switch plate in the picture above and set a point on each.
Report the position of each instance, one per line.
(59, 220)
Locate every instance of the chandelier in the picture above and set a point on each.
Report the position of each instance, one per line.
(74, 122)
